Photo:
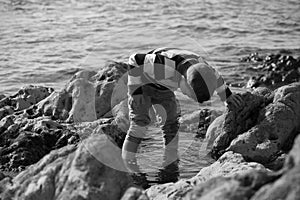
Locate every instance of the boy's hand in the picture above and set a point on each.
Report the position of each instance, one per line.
(235, 99)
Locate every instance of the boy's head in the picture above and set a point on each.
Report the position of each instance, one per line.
(202, 79)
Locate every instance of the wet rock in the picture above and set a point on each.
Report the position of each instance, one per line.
(70, 173)
(275, 70)
(23, 99)
(262, 130)
(253, 57)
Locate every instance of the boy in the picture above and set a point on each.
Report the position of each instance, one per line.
(152, 79)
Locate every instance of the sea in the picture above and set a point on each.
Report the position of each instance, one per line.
(45, 42)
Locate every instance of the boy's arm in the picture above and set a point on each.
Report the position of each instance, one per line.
(222, 89)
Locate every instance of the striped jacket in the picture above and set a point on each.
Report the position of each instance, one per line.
(164, 68)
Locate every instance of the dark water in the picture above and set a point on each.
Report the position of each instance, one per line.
(46, 42)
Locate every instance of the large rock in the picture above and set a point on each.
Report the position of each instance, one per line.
(70, 173)
(261, 132)
(26, 137)
(240, 186)
(100, 91)
(288, 185)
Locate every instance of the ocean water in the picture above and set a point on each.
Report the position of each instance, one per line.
(44, 42)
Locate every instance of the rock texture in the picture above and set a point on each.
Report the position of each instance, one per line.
(37, 120)
(263, 127)
(274, 69)
(23, 99)
(288, 185)
(70, 173)
(25, 141)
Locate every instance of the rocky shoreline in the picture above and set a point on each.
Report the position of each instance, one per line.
(50, 139)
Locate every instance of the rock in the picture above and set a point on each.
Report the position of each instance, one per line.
(263, 131)
(83, 105)
(23, 99)
(70, 173)
(104, 89)
(238, 120)
(240, 186)
(135, 194)
(32, 132)
(279, 123)
(288, 185)
(228, 164)
(25, 141)
(277, 70)
(213, 130)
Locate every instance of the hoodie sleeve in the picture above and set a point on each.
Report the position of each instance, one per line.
(135, 72)
(222, 89)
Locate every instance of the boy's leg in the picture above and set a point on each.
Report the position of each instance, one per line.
(171, 125)
(139, 119)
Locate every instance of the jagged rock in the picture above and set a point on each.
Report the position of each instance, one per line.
(277, 70)
(266, 130)
(236, 121)
(23, 99)
(70, 173)
(25, 141)
(288, 185)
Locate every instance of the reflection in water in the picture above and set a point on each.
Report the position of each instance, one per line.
(169, 173)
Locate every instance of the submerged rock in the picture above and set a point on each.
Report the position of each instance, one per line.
(73, 173)
(262, 130)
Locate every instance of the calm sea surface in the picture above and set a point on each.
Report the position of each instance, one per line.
(44, 42)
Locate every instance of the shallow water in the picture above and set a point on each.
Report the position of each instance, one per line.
(46, 42)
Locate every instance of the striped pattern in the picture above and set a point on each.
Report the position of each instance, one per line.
(166, 66)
